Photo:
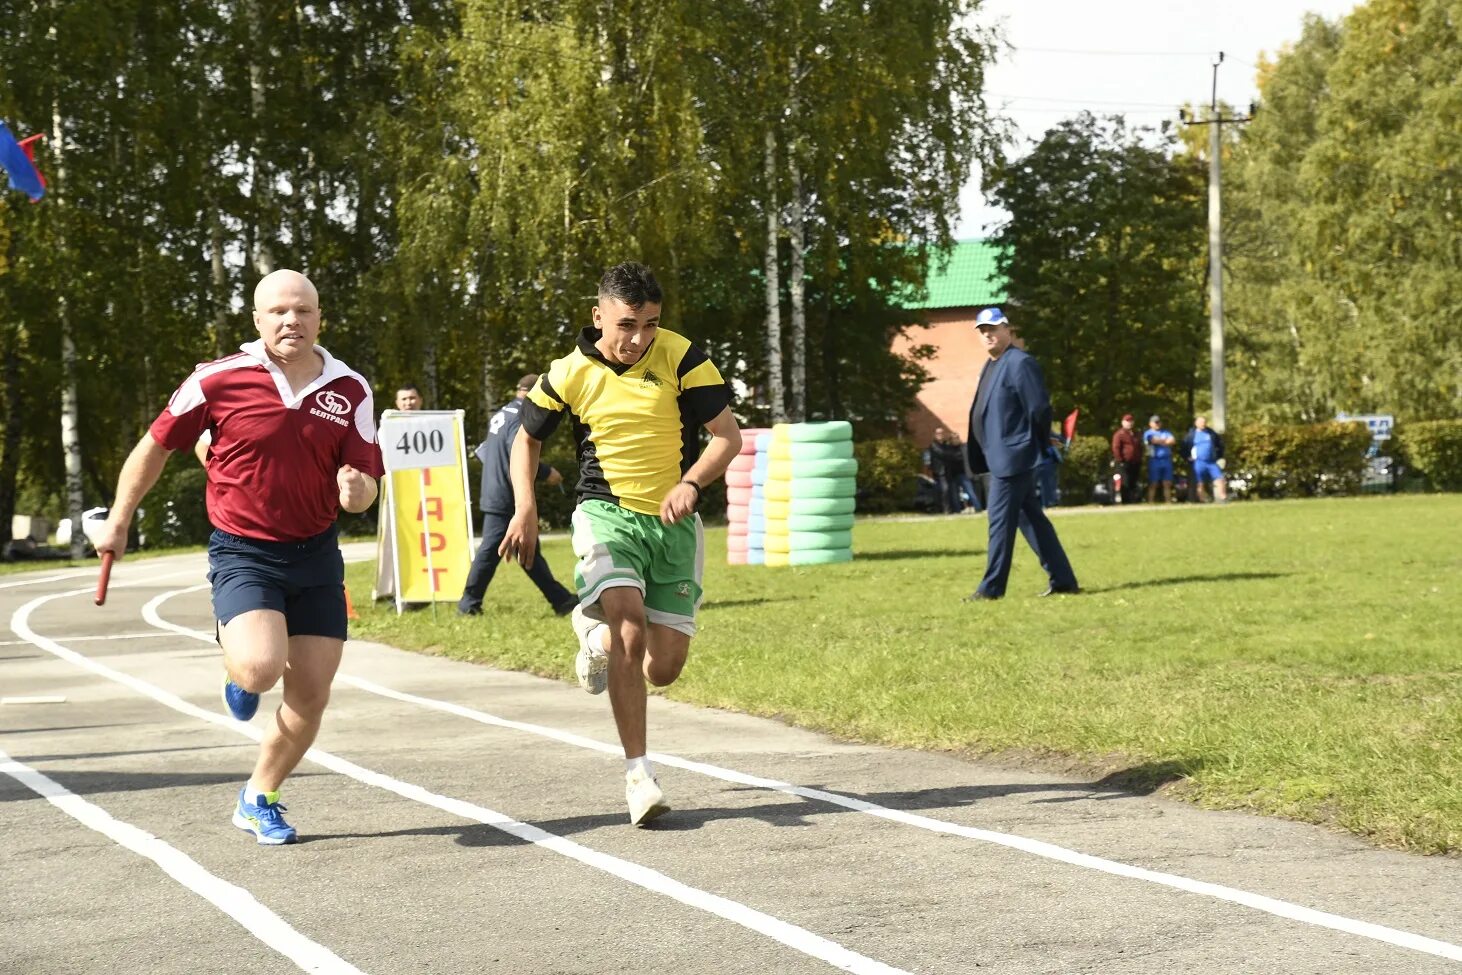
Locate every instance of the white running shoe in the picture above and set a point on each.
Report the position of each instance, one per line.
(592, 663)
(645, 799)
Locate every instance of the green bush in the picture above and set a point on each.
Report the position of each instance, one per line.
(1088, 460)
(175, 511)
(1432, 449)
(887, 474)
(1303, 460)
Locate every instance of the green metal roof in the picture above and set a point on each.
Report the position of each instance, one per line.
(968, 280)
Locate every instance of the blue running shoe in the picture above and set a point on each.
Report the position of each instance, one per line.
(240, 703)
(264, 819)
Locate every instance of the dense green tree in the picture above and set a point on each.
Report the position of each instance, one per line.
(1345, 256)
(454, 177)
(1103, 255)
(196, 140)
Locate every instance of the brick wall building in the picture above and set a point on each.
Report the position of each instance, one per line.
(957, 292)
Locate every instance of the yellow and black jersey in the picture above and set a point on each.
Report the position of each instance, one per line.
(637, 427)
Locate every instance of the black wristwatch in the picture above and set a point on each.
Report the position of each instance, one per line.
(693, 484)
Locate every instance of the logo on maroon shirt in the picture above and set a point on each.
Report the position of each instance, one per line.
(332, 402)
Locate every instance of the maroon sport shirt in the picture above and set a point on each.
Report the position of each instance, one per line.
(274, 454)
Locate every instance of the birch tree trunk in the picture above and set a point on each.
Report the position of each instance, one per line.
(220, 282)
(774, 289)
(797, 225)
(429, 375)
(10, 442)
(259, 176)
(796, 284)
(70, 402)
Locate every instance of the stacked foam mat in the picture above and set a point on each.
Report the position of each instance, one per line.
(756, 519)
(738, 498)
(807, 494)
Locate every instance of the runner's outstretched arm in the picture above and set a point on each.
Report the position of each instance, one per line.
(724, 446)
(139, 474)
(521, 539)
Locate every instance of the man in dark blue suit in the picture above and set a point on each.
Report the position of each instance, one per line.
(1010, 424)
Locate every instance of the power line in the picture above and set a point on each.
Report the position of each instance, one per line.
(1079, 101)
(1068, 111)
(1121, 54)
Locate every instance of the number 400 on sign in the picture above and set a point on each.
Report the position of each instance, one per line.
(421, 441)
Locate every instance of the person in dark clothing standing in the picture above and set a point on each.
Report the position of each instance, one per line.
(1010, 425)
(946, 465)
(1127, 454)
(496, 502)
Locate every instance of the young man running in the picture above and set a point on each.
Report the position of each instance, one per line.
(638, 395)
(293, 443)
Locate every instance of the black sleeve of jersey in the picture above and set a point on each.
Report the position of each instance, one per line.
(692, 358)
(705, 403)
(701, 403)
(540, 423)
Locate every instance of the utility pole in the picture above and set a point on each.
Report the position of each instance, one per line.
(1218, 419)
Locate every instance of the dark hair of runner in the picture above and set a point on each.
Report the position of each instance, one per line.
(632, 283)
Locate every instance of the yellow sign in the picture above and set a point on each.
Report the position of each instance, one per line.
(428, 508)
(433, 543)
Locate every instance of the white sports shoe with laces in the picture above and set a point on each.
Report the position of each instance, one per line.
(645, 799)
(592, 663)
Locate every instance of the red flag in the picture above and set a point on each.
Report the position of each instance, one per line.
(1068, 426)
(28, 146)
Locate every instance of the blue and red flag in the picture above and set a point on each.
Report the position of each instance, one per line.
(18, 159)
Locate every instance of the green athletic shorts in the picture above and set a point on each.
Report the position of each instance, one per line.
(619, 547)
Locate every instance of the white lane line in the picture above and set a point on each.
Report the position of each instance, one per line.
(140, 565)
(229, 898)
(1258, 902)
(150, 634)
(37, 582)
(794, 937)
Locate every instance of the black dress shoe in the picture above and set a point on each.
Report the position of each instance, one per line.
(978, 596)
(1053, 591)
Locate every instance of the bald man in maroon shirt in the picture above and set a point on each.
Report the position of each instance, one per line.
(292, 443)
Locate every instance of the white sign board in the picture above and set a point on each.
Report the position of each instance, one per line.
(1379, 423)
(418, 438)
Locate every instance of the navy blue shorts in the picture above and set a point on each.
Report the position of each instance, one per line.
(304, 580)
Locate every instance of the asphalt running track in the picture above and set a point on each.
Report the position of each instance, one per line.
(458, 819)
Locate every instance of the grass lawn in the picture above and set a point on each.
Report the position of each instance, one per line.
(1300, 659)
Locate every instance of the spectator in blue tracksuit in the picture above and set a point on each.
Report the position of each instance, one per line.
(1204, 448)
(1159, 443)
(496, 502)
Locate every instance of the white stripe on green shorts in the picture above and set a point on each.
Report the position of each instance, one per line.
(619, 547)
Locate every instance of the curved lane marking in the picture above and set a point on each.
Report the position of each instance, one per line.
(794, 937)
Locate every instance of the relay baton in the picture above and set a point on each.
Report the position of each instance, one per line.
(104, 578)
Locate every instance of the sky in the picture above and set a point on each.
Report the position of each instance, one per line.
(1140, 58)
